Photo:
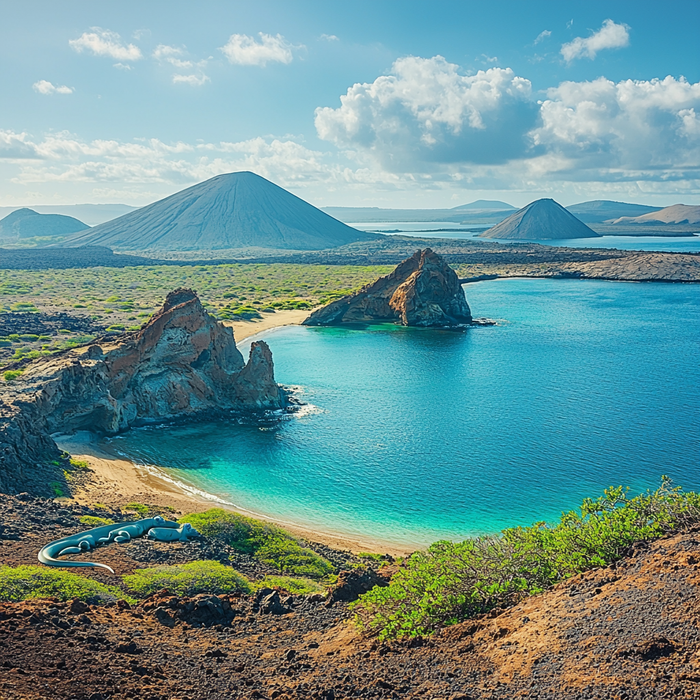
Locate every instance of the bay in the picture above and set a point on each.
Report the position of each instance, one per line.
(410, 435)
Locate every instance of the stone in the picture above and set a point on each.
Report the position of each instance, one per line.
(182, 363)
(352, 584)
(423, 290)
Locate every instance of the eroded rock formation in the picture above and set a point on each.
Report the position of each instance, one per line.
(423, 290)
(182, 363)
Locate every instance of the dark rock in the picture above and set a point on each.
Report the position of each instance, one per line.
(352, 584)
(422, 291)
(272, 605)
(78, 606)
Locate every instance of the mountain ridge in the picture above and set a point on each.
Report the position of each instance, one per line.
(543, 219)
(232, 210)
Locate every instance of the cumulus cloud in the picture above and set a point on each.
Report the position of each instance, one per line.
(192, 79)
(16, 146)
(102, 42)
(68, 159)
(329, 37)
(542, 36)
(174, 56)
(45, 87)
(609, 36)
(244, 50)
(426, 112)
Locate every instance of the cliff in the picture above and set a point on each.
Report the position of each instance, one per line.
(182, 363)
(423, 290)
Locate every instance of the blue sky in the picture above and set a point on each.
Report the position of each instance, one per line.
(398, 104)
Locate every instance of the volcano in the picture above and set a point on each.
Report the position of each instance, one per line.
(234, 210)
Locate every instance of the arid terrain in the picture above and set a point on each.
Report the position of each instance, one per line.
(630, 631)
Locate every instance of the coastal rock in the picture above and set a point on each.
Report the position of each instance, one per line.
(182, 363)
(423, 290)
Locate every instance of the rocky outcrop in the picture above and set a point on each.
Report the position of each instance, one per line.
(423, 290)
(182, 363)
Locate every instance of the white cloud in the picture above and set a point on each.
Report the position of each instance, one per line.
(172, 55)
(192, 79)
(425, 112)
(244, 50)
(329, 37)
(102, 42)
(14, 146)
(45, 87)
(542, 36)
(609, 36)
(645, 129)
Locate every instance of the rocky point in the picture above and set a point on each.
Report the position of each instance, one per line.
(182, 363)
(423, 290)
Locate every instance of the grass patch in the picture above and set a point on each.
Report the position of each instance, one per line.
(30, 582)
(95, 521)
(145, 510)
(79, 464)
(188, 579)
(11, 374)
(296, 586)
(266, 542)
(453, 581)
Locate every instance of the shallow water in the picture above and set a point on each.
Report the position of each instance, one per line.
(415, 435)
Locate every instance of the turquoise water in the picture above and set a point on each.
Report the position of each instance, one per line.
(415, 435)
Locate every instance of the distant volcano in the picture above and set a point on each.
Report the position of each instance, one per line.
(26, 223)
(540, 220)
(235, 210)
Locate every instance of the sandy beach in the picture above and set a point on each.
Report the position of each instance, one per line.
(116, 481)
(244, 329)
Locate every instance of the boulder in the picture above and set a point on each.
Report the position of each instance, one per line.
(423, 290)
(183, 362)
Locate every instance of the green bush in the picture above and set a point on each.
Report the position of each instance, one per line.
(188, 579)
(268, 543)
(29, 337)
(11, 374)
(29, 582)
(79, 464)
(296, 586)
(95, 521)
(453, 581)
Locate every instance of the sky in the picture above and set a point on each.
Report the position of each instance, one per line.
(403, 104)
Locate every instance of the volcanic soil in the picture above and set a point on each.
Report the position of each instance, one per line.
(625, 632)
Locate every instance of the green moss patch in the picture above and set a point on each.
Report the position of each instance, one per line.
(31, 582)
(268, 543)
(188, 579)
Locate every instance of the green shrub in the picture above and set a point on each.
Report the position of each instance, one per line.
(95, 521)
(29, 337)
(296, 586)
(11, 374)
(144, 510)
(268, 543)
(57, 489)
(79, 464)
(64, 331)
(188, 579)
(29, 582)
(453, 581)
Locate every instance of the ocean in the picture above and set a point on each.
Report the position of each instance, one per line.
(409, 436)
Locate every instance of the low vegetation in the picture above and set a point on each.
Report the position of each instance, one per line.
(453, 581)
(188, 579)
(95, 521)
(31, 582)
(123, 299)
(266, 542)
(296, 586)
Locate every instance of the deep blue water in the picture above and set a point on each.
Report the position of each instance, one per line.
(416, 435)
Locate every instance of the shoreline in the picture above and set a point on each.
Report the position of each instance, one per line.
(242, 330)
(116, 481)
